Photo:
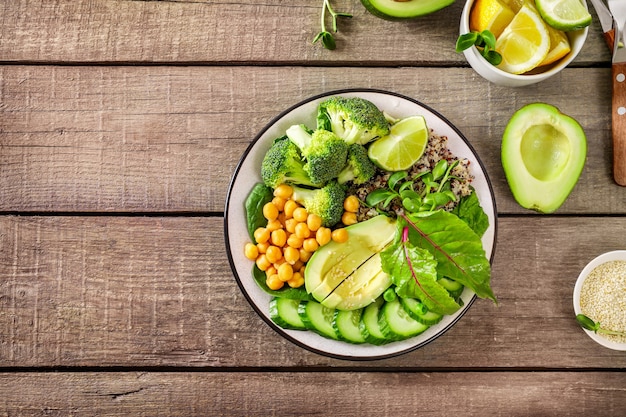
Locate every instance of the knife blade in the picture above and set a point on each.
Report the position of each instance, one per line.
(618, 107)
(606, 21)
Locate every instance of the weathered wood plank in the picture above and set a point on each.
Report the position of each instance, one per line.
(343, 394)
(137, 291)
(167, 139)
(221, 31)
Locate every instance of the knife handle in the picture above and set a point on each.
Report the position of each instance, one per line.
(609, 38)
(619, 122)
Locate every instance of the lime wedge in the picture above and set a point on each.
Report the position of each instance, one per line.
(564, 15)
(403, 146)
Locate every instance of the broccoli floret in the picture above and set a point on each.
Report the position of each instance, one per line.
(359, 168)
(324, 152)
(326, 202)
(283, 164)
(353, 119)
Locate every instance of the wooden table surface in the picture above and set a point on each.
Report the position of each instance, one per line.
(121, 123)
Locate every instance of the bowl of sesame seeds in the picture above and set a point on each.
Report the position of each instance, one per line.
(600, 294)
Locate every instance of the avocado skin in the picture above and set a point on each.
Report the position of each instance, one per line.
(402, 10)
(543, 155)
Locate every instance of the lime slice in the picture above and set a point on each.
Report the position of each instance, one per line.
(564, 14)
(403, 146)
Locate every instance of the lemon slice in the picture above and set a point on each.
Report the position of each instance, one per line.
(564, 15)
(403, 146)
(559, 46)
(492, 15)
(524, 43)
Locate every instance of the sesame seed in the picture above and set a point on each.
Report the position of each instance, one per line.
(603, 297)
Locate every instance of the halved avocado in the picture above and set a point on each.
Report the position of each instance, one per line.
(358, 259)
(543, 154)
(400, 10)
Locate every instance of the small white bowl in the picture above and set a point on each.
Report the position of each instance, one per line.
(497, 76)
(618, 255)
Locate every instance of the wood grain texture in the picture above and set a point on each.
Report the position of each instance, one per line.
(618, 112)
(124, 139)
(204, 31)
(149, 292)
(303, 394)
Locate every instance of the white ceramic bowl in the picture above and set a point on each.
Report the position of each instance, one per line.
(497, 76)
(248, 173)
(618, 255)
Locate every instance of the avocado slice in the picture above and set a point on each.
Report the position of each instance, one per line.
(543, 154)
(334, 263)
(407, 9)
(361, 288)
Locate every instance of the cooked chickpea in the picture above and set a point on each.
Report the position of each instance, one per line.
(296, 281)
(283, 190)
(291, 255)
(279, 202)
(251, 251)
(290, 225)
(300, 214)
(271, 271)
(310, 244)
(279, 238)
(339, 235)
(274, 283)
(304, 255)
(348, 218)
(285, 272)
(263, 263)
(273, 225)
(351, 204)
(294, 241)
(314, 222)
(262, 247)
(270, 211)
(322, 235)
(273, 254)
(302, 231)
(290, 206)
(261, 235)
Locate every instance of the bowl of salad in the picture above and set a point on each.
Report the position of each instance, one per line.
(361, 224)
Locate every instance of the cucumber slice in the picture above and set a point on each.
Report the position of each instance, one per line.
(419, 312)
(318, 318)
(284, 312)
(369, 326)
(395, 323)
(346, 325)
(399, 10)
(454, 288)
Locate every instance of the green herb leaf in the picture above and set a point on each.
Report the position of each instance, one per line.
(458, 250)
(414, 272)
(259, 195)
(466, 41)
(470, 211)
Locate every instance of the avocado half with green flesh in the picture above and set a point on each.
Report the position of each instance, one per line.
(400, 10)
(349, 275)
(543, 155)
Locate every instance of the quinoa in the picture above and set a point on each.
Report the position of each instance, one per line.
(436, 150)
(603, 297)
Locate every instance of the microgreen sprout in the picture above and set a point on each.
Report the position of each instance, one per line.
(422, 193)
(325, 36)
(589, 324)
(484, 41)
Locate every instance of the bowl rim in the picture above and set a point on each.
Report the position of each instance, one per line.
(282, 332)
(615, 255)
(526, 79)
